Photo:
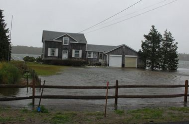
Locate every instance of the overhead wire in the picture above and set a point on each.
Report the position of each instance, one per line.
(111, 16)
(133, 12)
(133, 16)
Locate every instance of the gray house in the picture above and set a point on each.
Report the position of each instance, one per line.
(62, 46)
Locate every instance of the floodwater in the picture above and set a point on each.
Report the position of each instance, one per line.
(99, 76)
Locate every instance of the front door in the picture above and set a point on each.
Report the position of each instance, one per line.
(64, 54)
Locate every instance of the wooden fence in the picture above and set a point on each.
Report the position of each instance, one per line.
(116, 96)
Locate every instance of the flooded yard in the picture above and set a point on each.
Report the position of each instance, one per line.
(99, 76)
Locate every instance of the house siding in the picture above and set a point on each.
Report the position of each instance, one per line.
(54, 44)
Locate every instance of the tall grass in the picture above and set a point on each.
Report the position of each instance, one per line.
(9, 74)
(43, 69)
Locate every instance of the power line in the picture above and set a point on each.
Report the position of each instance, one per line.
(135, 12)
(111, 16)
(134, 16)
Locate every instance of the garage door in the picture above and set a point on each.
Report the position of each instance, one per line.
(115, 61)
(130, 62)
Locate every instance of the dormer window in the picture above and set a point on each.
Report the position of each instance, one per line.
(65, 40)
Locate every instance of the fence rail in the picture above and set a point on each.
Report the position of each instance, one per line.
(116, 96)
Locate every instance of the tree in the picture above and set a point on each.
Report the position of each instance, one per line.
(170, 48)
(169, 56)
(150, 51)
(5, 49)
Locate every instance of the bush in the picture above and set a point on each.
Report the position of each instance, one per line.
(9, 74)
(69, 62)
(29, 59)
(39, 59)
(20, 65)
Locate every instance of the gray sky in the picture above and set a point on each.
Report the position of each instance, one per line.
(31, 17)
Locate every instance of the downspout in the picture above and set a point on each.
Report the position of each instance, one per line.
(123, 56)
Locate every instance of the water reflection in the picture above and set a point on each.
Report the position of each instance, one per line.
(9, 91)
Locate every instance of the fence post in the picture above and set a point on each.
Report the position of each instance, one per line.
(186, 91)
(33, 95)
(116, 94)
(27, 80)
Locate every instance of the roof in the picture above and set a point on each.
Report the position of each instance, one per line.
(121, 46)
(51, 35)
(99, 48)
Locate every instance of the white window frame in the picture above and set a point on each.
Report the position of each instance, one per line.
(95, 55)
(50, 51)
(88, 54)
(64, 39)
(76, 54)
(74, 51)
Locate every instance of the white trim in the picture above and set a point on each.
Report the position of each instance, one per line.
(115, 55)
(73, 52)
(131, 56)
(64, 35)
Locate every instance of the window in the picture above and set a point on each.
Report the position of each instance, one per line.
(94, 55)
(65, 40)
(52, 51)
(100, 55)
(89, 54)
(77, 53)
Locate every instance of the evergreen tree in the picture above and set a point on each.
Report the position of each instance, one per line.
(151, 49)
(172, 54)
(5, 50)
(169, 56)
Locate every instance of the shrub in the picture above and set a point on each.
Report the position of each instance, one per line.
(69, 62)
(29, 59)
(20, 65)
(9, 74)
(39, 59)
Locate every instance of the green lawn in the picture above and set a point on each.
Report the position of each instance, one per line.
(45, 70)
(139, 116)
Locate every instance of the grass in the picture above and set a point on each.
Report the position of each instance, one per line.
(139, 116)
(43, 69)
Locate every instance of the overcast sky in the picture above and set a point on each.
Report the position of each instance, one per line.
(31, 17)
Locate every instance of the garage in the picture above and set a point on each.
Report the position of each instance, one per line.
(131, 61)
(115, 60)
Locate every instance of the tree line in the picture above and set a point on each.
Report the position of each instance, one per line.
(159, 52)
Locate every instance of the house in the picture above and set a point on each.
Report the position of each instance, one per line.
(63, 46)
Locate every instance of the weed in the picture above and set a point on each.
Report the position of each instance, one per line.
(181, 109)
(63, 118)
(24, 110)
(119, 112)
(44, 110)
(43, 69)
(9, 74)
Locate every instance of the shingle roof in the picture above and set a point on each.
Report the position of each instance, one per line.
(50, 35)
(99, 48)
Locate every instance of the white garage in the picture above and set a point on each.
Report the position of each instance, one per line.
(131, 61)
(115, 60)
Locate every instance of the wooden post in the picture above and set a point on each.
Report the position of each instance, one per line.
(27, 82)
(106, 99)
(33, 95)
(116, 94)
(186, 91)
